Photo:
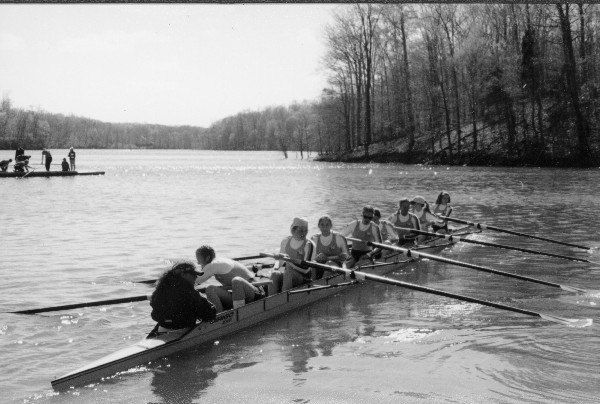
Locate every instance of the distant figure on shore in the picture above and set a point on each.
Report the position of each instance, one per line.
(21, 166)
(48, 156)
(4, 164)
(19, 152)
(72, 159)
(65, 165)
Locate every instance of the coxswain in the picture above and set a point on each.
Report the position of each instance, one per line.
(238, 283)
(175, 303)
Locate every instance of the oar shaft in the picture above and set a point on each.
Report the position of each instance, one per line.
(483, 226)
(81, 305)
(452, 238)
(415, 254)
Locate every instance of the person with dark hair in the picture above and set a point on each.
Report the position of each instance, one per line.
(388, 234)
(364, 230)
(403, 220)
(175, 303)
(48, 155)
(65, 165)
(295, 246)
(4, 164)
(442, 207)
(236, 280)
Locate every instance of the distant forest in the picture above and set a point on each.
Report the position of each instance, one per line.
(454, 82)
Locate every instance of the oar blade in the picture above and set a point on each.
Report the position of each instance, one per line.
(575, 290)
(569, 322)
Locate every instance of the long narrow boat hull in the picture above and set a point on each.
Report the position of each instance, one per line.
(157, 345)
(48, 174)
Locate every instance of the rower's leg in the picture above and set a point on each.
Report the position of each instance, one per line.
(277, 282)
(219, 297)
(242, 292)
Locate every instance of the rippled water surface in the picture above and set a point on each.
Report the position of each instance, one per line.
(79, 239)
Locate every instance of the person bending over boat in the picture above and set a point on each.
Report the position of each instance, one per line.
(364, 230)
(442, 207)
(48, 155)
(236, 280)
(331, 248)
(405, 220)
(175, 303)
(4, 164)
(296, 246)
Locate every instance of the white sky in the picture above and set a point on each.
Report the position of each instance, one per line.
(167, 64)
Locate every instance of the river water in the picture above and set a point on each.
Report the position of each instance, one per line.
(79, 239)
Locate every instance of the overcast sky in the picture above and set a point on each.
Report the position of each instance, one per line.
(166, 64)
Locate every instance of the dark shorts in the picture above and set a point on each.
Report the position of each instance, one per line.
(357, 255)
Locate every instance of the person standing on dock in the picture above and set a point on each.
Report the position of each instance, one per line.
(236, 280)
(48, 155)
(71, 156)
(175, 303)
(19, 152)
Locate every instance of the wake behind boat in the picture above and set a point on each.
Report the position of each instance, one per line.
(157, 345)
(20, 174)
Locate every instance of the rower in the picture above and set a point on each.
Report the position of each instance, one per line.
(423, 213)
(296, 246)
(388, 234)
(364, 230)
(21, 166)
(405, 219)
(175, 303)
(238, 285)
(442, 207)
(331, 248)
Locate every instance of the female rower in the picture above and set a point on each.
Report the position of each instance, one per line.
(423, 213)
(403, 221)
(236, 280)
(331, 248)
(364, 230)
(175, 303)
(442, 207)
(296, 246)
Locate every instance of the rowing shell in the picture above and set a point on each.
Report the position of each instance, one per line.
(17, 174)
(157, 345)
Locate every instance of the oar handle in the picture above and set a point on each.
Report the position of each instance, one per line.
(483, 226)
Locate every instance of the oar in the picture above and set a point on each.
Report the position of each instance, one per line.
(415, 254)
(483, 226)
(81, 305)
(452, 238)
(362, 276)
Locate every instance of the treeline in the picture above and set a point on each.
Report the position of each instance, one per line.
(39, 129)
(454, 82)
